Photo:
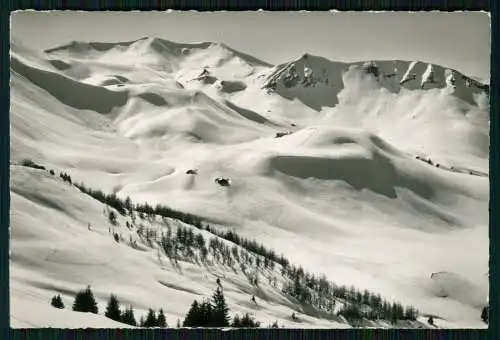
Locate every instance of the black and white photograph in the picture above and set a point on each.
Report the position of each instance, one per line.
(252, 169)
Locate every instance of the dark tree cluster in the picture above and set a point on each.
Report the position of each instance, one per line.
(185, 242)
(250, 245)
(231, 255)
(154, 320)
(274, 325)
(57, 302)
(305, 287)
(321, 293)
(112, 218)
(113, 309)
(29, 163)
(392, 312)
(168, 212)
(127, 316)
(245, 321)
(85, 302)
(352, 313)
(371, 68)
(213, 313)
(199, 315)
(282, 134)
(220, 251)
(65, 177)
(112, 200)
(223, 181)
(184, 238)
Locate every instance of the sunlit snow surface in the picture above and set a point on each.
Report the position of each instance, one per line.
(342, 195)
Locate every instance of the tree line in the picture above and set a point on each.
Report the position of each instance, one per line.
(304, 286)
(214, 313)
(85, 302)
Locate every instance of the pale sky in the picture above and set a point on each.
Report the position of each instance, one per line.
(459, 40)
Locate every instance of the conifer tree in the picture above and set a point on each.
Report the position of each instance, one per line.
(112, 218)
(207, 315)
(190, 238)
(204, 253)
(128, 317)
(113, 309)
(161, 320)
(351, 312)
(377, 300)
(484, 314)
(85, 301)
(193, 316)
(236, 321)
(430, 320)
(128, 204)
(221, 310)
(150, 319)
(393, 312)
(248, 322)
(200, 241)
(57, 302)
(181, 235)
(245, 321)
(358, 297)
(410, 313)
(366, 296)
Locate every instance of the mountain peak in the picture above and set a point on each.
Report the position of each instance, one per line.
(298, 78)
(155, 44)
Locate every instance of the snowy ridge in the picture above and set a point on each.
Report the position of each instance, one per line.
(294, 79)
(141, 46)
(159, 54)
(321, 161)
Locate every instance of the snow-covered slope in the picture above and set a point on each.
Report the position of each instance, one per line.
(431, 123)
(341, 192)
(61, 255)
(317, 81)
(185, 61)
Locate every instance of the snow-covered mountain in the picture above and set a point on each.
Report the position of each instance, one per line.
(313, 79)
(374, 174)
